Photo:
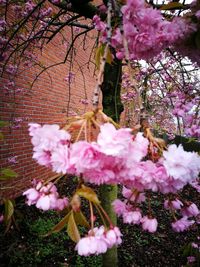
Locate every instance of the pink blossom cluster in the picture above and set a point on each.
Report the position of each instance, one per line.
(146, 31)
(104, 161)
(70, 77)
(187, 211)
(132, 214)
(186, 107)
(13, 160)
(166, 105)
(45, 197)
(51, 146)
(183, 166)
(116, 157)
(98, 241)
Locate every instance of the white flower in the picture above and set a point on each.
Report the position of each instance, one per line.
(181, 165)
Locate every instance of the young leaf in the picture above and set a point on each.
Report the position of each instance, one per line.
(7, 173)
(59, 226)
(4, 123)
(72, 229)
(88, 193)
(109, 58)
(171, 5)
(98, 55)
(80, 219)
(1, 136)
(9, 210)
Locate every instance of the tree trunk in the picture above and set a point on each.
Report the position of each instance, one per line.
(112, 107)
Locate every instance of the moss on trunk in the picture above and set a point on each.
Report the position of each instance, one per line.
(112, 107)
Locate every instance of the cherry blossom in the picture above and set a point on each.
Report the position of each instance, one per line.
(190, 211)
(182, 224)
(45, 197)
(149, 224)
(181, 165)
(98, 241)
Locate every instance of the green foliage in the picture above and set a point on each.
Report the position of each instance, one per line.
(59, 226)
(190, 250)
(3, 123)
(29, 247)
(93, 261)
(88, 193)
(72, 229)
(7, 173)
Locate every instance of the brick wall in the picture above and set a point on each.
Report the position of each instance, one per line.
(49, 101)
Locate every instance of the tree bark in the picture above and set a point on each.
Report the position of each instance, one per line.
(112, 107)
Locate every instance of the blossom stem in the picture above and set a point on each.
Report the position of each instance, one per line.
(81, 129)
(102, 218)
(106, 216)
(91, 215)
(149, 204)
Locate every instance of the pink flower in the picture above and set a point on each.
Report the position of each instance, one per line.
(114, 142)
(149, 224)
(190, 211)
(60, 159)
(45, 197)
(33, 127)
(196, 185)
(13, 160)
(139, 147)
(119, 207)
(181, 165)
(43, 202)
(32, 196)
(98, 177)
(85, 156)
(62, 203)
(194, 245)
(132, 217)
(99, 25)
(48, 137)
(113, 237)
(133, 195)
(197, 14)
(43, 157)
(182, 224)
(48, 140)
(191, 259)
(175, 204)
(87, 246)
(95, 243)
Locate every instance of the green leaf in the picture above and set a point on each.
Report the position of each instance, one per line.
(171, 5)
(9, 210)
(80, 219)
(7, 173)
(72, 229)
(88, 193)
(98, 55)
(109, 58)
(4, 123)
(1, 136)
(59, 226)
